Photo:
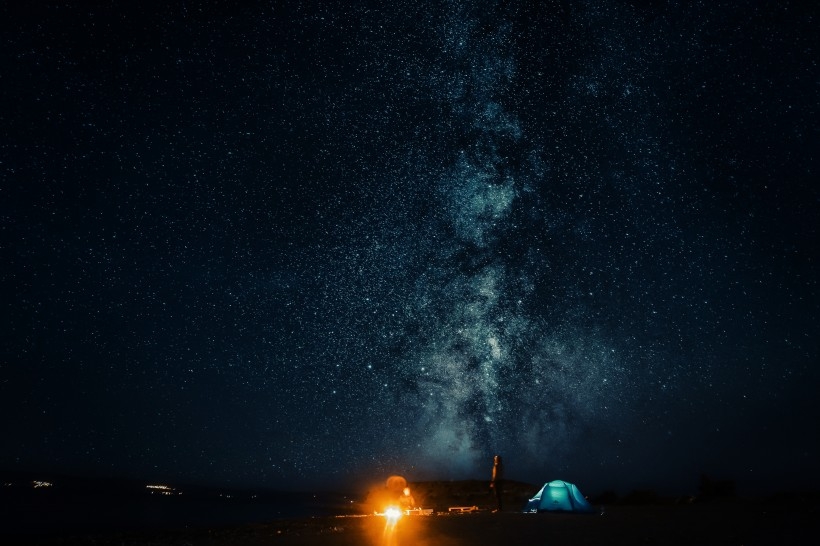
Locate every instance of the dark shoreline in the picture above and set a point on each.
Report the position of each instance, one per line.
(724, 523)
(123, 512)
(68, 506)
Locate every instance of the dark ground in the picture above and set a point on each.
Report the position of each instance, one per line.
(725, 523)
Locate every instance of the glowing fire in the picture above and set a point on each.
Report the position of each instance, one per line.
(392, 514)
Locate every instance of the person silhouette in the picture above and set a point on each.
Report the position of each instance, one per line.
(497, 483)
(407, 501)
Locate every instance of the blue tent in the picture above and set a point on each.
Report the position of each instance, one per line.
(559, 496)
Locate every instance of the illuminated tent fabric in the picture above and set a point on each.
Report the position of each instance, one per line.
(559, 496)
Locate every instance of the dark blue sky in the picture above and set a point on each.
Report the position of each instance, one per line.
(320, 243)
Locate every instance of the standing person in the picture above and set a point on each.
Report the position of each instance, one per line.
(497, 483)
(407, 501)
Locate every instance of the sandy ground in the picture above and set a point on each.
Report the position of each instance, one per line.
(734, 523)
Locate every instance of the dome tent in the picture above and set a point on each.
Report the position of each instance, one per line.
(559, 496)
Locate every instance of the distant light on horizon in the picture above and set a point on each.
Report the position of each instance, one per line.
(163, 490)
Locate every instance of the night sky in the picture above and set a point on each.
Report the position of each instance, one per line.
(302, 244)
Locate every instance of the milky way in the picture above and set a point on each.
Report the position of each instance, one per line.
(492, 376)
(563, 260)
(295, 245)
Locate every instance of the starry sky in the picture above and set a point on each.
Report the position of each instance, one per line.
(294, 244)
